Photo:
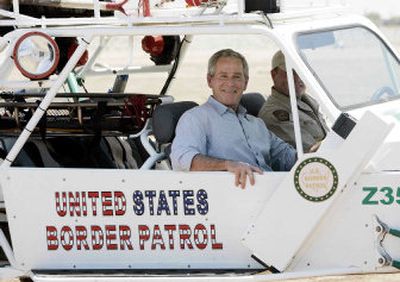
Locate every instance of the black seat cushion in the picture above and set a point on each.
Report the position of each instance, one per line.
(252, 102)
(165, 118)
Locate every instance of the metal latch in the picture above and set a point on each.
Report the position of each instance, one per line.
(382, 229)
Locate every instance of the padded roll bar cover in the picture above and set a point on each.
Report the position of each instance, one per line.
(252, 102)
(165, 119)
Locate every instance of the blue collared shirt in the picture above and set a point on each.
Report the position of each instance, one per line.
(215, 130)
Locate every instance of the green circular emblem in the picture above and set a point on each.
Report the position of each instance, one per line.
(316, 179)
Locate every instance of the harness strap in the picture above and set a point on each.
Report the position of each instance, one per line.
(130, 161)
(116, 151)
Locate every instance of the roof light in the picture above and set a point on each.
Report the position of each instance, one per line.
(265, 6)
(36, 55)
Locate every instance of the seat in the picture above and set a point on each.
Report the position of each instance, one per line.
(166, 117)
(252, 102)
(163, 123)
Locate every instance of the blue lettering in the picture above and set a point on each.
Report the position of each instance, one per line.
(150, 194)
(138, 207)
(202, 206)
(163, 204)
(188, 201)
(174, 194)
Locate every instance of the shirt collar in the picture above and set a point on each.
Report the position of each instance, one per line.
(222, 109)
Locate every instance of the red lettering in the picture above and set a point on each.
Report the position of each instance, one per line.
(97, 237)
(200, 229)
(119, 203)
(110, 237)
(125, 237)
(84, 204)
(170, 229)
(184, 236)
(214, 244)
(93, 196)
(81, 235)
(61, 203)
(144, 235)
(106, 199)
(74, 204)
(157, 238)
(67, 238)
(52, 241)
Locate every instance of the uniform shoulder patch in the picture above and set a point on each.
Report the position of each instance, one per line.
(281, 115)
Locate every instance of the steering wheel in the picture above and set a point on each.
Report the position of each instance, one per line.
(383, 91)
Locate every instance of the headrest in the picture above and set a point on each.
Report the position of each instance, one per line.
(165, 117)
(252, 102)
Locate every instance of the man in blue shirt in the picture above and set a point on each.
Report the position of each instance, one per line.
(220, 136)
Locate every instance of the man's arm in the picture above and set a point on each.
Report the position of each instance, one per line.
(203, 163)
(240, 169)
(283, 155)
(190, 140)
(189, 153)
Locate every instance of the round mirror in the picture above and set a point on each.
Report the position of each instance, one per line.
(36, 55)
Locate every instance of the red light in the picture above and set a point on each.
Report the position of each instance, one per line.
(36, 55)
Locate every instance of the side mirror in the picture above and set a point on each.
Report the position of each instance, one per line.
(344, 124)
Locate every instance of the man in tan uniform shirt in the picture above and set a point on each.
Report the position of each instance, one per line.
(277, 114)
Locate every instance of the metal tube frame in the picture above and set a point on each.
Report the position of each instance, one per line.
(23, 137)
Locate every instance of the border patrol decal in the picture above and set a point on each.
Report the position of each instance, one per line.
(316, 179)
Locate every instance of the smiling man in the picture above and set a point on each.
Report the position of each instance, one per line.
(220, 136)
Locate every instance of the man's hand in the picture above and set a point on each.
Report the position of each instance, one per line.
(241, 171)
(315, 147)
